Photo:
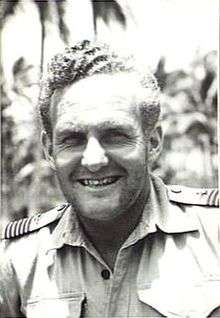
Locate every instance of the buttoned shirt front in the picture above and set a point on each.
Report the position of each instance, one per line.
(168, 266)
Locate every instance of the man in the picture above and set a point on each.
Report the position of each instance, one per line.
(124, 245)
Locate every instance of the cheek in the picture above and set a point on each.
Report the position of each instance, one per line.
(65, 159)
(130, 156)
(66, 167)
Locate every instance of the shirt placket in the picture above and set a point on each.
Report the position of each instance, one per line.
(118, 298)
(104, 273)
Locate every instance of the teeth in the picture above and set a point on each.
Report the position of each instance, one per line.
(100, 182)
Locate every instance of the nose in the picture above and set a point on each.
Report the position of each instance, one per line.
(94, 157)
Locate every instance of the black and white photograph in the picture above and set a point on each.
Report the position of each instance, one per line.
(109, 159)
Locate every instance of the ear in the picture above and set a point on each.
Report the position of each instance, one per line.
(155, 143)
(48, 149)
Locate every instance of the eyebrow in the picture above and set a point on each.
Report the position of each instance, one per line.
(71, 128)
(116, 125)
(62, 132)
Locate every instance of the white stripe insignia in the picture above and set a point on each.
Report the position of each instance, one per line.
(33, 223)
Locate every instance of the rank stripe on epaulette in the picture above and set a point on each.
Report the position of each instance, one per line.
(7, 230)
(16, 228)
(213, 198)
(24, 226)
(30, 224)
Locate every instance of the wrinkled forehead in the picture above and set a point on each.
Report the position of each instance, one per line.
(107, 92)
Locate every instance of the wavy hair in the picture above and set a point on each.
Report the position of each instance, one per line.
(89, 58)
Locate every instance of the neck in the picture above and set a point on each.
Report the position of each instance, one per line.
(109, 236)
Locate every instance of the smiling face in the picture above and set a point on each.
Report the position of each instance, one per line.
(99, 149)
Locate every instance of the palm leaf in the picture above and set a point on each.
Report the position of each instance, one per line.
(106, 10)
(7, 8)
(64, 31)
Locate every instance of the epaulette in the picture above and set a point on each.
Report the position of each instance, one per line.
(193, 196)
(33, 223)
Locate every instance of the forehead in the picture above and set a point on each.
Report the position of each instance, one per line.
(98, 100)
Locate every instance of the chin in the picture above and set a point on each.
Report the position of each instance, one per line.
(100, 213)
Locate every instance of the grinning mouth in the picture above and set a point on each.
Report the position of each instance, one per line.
(98, 182)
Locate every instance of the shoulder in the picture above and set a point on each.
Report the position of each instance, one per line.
(31, 224)
(206, 197)
(201, 206)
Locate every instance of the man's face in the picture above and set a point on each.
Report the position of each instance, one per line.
(99, 148)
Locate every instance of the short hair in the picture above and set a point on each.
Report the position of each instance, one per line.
(89, 58)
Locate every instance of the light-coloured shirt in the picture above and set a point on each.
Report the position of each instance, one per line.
(169, 266)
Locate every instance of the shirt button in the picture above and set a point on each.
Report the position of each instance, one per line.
(105, 274)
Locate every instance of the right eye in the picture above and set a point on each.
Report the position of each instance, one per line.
(72, 140)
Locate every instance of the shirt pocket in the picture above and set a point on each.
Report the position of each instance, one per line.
(198, 300)
(62, 306)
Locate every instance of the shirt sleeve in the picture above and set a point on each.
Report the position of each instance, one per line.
(9, 294)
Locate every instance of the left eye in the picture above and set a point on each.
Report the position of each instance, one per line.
(115, 137)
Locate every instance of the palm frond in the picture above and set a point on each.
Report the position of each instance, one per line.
(7, 8)
(45, 15)
(64, 31)
(106, 10)
(43, 8)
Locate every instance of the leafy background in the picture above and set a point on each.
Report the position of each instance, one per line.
(186, 68)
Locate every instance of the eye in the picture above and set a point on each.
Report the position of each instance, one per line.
(73, 139)
(115, 137)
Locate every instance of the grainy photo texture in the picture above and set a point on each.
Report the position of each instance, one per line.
(109, 161)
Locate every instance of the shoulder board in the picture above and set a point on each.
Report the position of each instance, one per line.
(33, 223)
(193, 196)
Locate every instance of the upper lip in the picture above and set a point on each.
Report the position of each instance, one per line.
(99, 177)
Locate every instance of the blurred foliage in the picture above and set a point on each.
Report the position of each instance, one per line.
(26, 178)
(189, 102)
(8, 8)
(108, 10)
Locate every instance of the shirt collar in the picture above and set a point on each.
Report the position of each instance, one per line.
(159, 213)
(169, 217)
(68, 231)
